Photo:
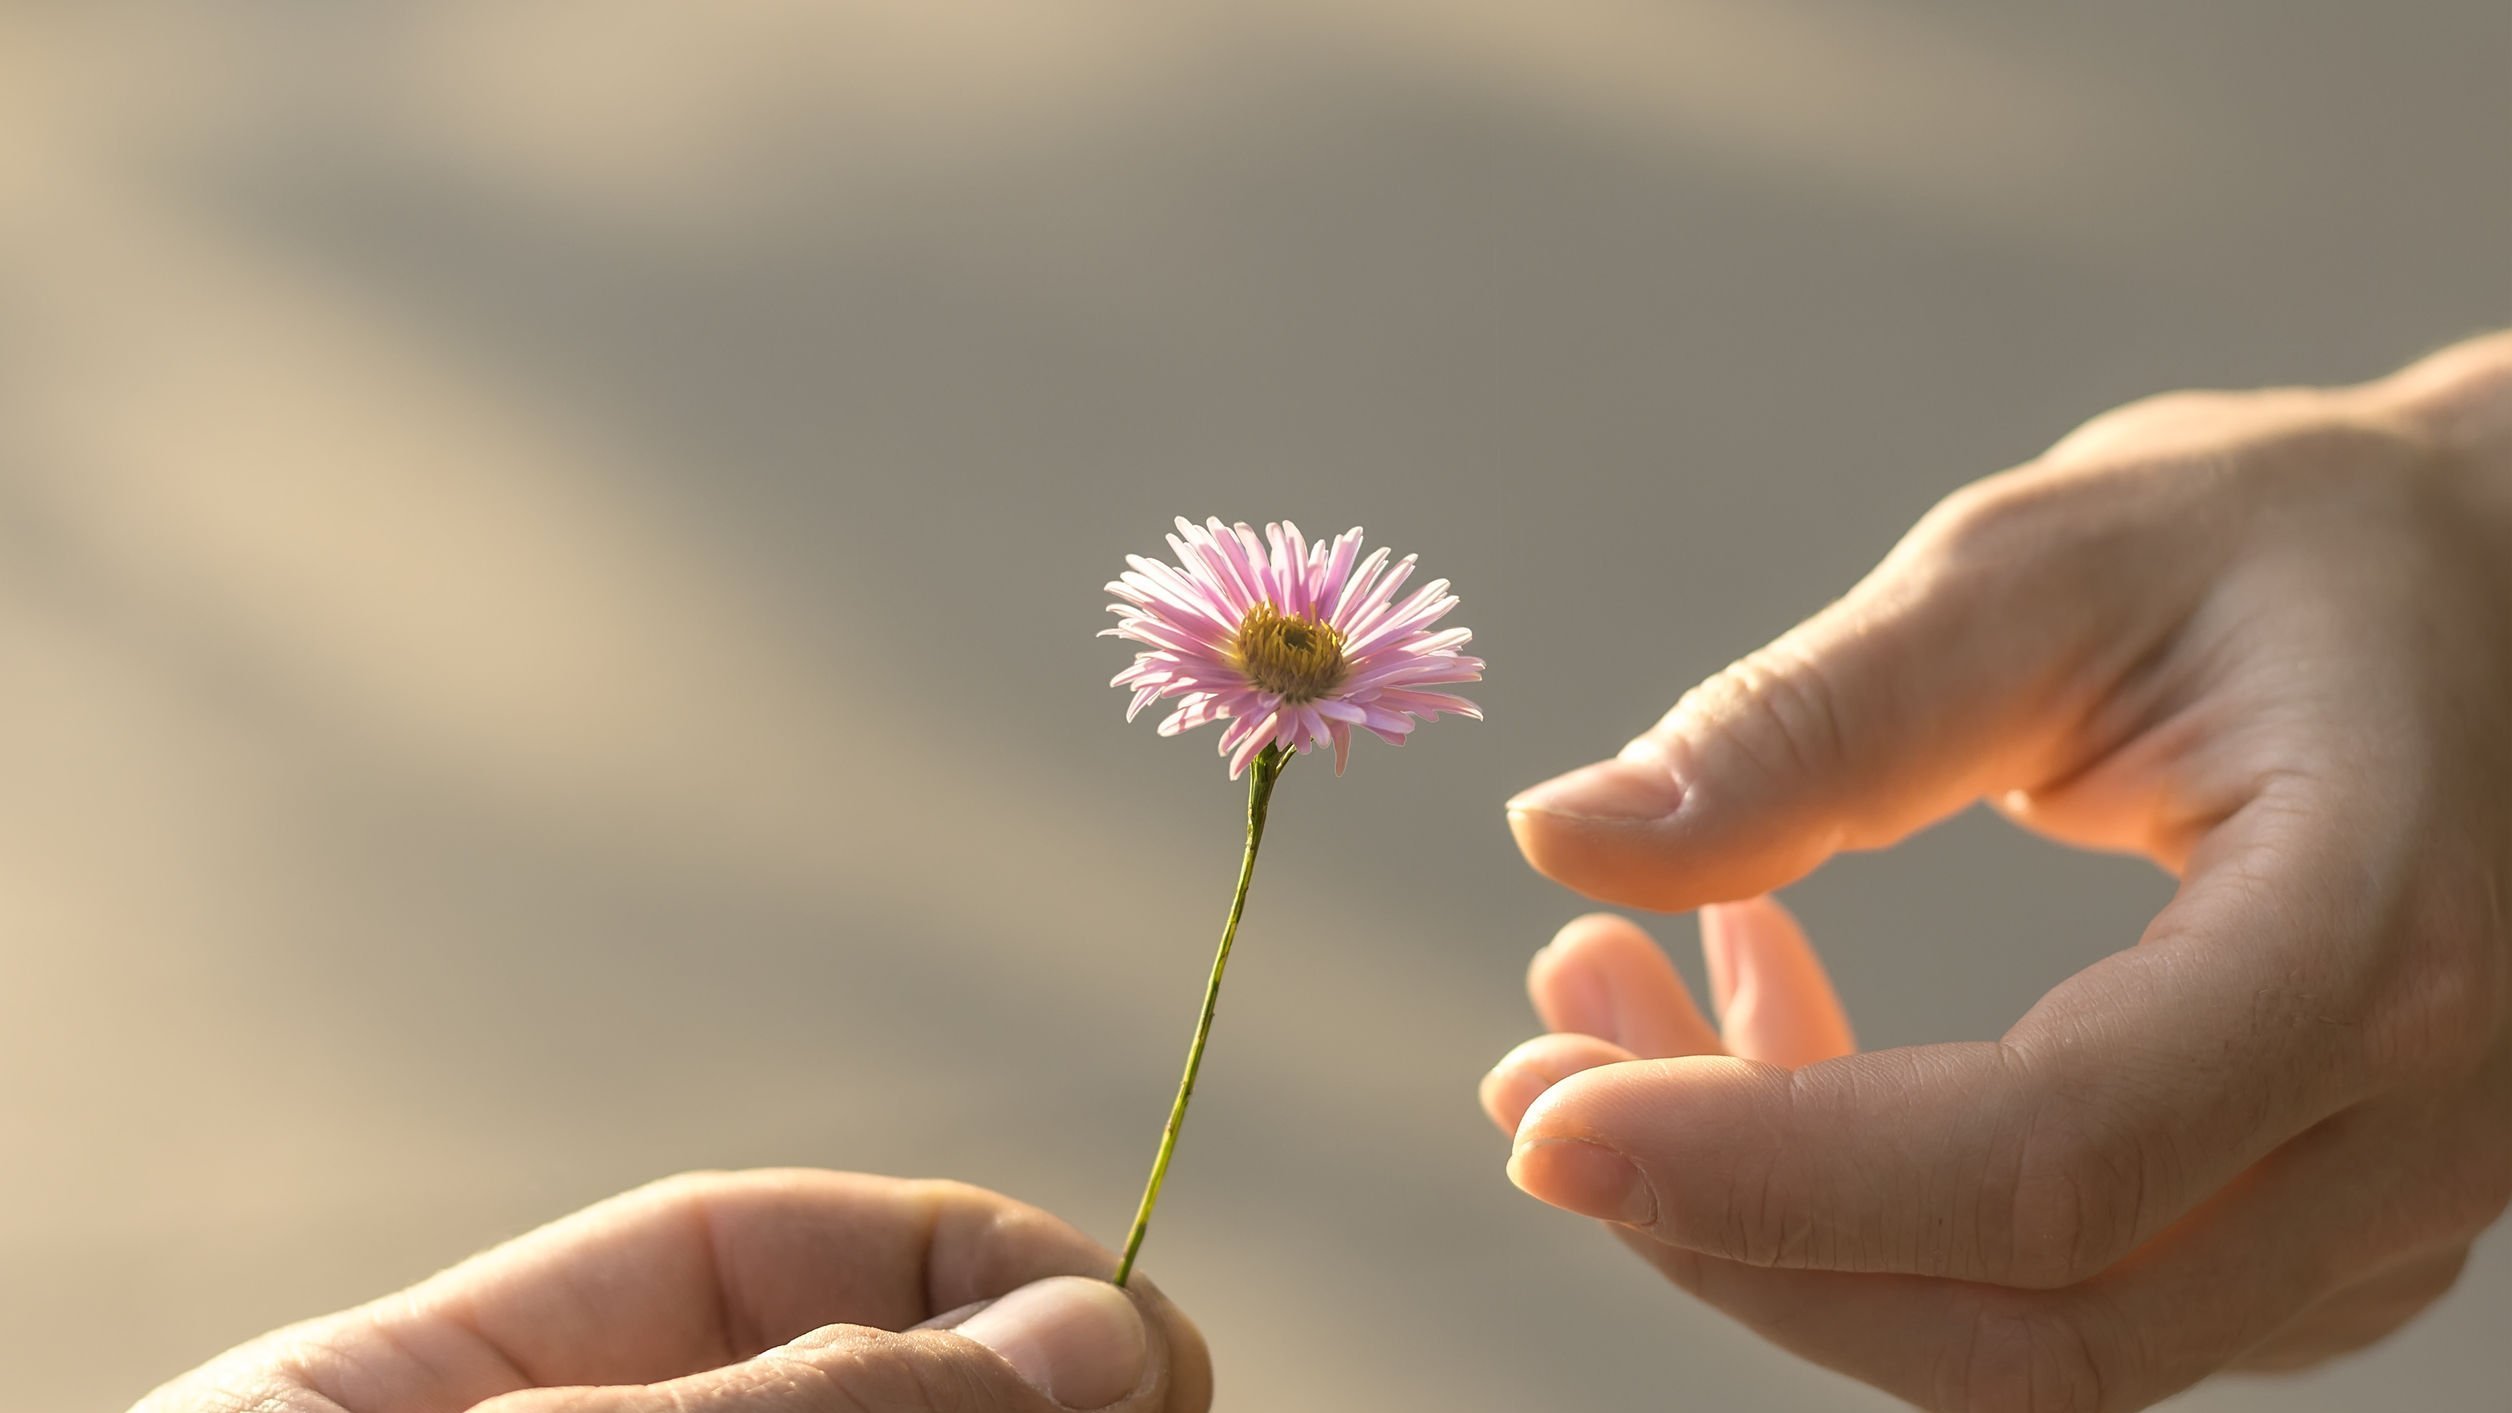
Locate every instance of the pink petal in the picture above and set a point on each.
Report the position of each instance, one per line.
(1356, 586)
(1428, 704)
(1210, 565)
(1259, 736)
(1278, 570)
(1363, 615)
(1338, 570)
(1259, 571)
(1407, 672)
(1423, 607)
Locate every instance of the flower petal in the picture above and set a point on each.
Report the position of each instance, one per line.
(1356, 586)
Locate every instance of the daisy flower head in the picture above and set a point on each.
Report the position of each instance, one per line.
(1293, 644)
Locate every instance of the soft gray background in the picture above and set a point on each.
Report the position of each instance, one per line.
(548, 556)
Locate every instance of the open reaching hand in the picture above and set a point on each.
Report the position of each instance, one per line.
(760, 1292)
(2264, 639)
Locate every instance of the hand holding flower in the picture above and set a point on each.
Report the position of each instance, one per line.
(762, 1292)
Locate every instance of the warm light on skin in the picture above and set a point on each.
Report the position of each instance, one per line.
(2313, 1200)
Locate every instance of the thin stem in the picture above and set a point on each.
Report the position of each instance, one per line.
(1261, 775)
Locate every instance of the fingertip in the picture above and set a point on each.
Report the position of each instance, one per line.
(1554, 847)
(1585, 1177)
(1680, 1124)
(1504, 1093)
(1669, 863)
(1766, 917)
(1526, 1072)
(1082, 1342)
(1190, 1361)
(1604, 975)
(1585, 925)
(1595, 829)
(1632, 1106)
(1181, 1358)
(1620, 864)
(1570, 979)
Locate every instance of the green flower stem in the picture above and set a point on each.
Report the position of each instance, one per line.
(1260, 779)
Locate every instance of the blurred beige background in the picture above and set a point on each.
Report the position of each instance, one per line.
(548, 556)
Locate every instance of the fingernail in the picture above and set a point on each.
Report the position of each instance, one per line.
(1610, 791)
(1587, 1178)
(1078, 1341)
(1507, 1092)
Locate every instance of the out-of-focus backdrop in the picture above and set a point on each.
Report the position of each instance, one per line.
(548, 557)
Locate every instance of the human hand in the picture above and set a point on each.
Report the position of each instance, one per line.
(2264, 639)
(757, 1292)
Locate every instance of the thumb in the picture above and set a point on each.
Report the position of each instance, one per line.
(1082, 1342)
(1939, 678)
(1061, 1344)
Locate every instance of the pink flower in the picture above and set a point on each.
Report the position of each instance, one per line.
(1292, 643)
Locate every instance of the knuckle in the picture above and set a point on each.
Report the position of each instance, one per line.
(2191, 424)
(684, 1191)
(2446, 1277)
(1769, 1213)
(1780, 710)
(2438, 1281)
(2052, 535)
(2022, 1354)
(2494, 1187)
(259, 1393)
(2446, 1006)
(951, 1192)
(2072, 510)
(1991, 520)
(2076, 1203)
(865, 1375)
(2480, 1189)
(1759, 1228)
(2147, 416)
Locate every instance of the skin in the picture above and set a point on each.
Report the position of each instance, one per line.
(2263, 639)
(765, 1292)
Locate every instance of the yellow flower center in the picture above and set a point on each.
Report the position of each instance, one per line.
(1299, 658)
